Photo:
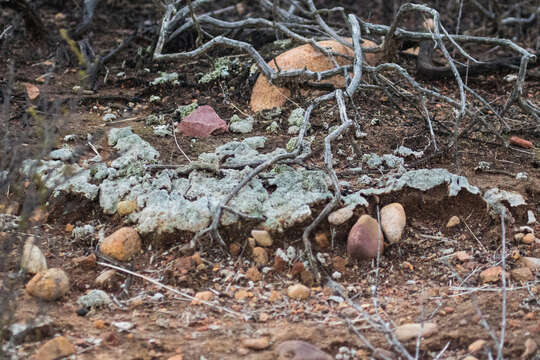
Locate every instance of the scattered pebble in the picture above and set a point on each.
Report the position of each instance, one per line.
(56, 348)
(85, 262)
(322, 240)
(109, 117)
(204, 295)
(393, 220)
(531, 262)
(123, 325)
(522, 274)
(477, 346)
(253, 274)
(298, 291)
(411, 331)
(300, 350)
(202, 122)
(462, 256)
(531, 219)
(526, 144)
(340, 216)
(49, 284)
(256, 343)
(262, 238)
(121, 245)
(528, 239)
(453, 221)
(491, 274)
(365, 238)
(32, 260)
(260, 256)
(234, 248)
(126, 207)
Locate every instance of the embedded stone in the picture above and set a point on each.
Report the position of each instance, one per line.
(32, 260)
(300, 350)
(262, 237)
(393, 221)
(202, 122)
(491, 274)
(522, 274)
(410, 331)
(340, 216)
(298, 291)
(365, 239)
(121, 245)
(49, 284)
(126, 207)
(453, 221)
(56, 348)
(260, 256)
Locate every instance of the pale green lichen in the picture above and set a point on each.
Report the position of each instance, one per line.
(273, 128)
(165, 77)
(185, 110)
(222, 70)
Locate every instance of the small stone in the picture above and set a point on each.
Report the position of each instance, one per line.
(260, 256)
(263, 317)
(340, 216)
(202, 122)
(99, 324)
(297, 268)
(306, 277)
(470, 357)
(491, 274)
(126, 207)
(339, 263)
(196, 258)
(298, 291)
(94, 299)
(382, 354)
(519, 237)
(453, 221)
(121, 245)
(365, 239)
(49, 284)
(462, 256)
(300, 350)
(242, 294)
(531, 262)
(476, 346)
(322, 240)
(254, 274)
(123, 325)
(56, 348)
(410, 331)
(204, 295)
(530, 348)
(85, 262)
(105, 279)
(393, 221)
(262, 237)
(528, 239)
(279, 264)
(522, 274)
(531, 219)
(234, 248)
(176, 357)
(32, 260)
(256, 343)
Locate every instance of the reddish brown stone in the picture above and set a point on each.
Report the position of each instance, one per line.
(202, 122)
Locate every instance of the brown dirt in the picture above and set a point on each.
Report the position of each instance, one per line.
(414, 277)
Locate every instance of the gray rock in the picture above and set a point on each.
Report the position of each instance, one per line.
(34, 329)
(82, 232)
(94, 299)
(242, 126)
(109, 117)
(165, 77)
(404, 151)
(496, 198)
(64, 154)
(162, 130)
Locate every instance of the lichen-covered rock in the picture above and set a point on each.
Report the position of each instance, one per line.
(49, 284)
(121, 245)
(365, 238)
(94, 299)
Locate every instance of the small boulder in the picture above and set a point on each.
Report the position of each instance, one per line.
(410, 331)
(340, 216)
(365, 238)
(522, 274)
(491, 274)
(298, 291)
(121, 245)
(393, 221)
(453, 221)
(32, 260)
(260, 256)
(56, 348)
(262, 237)
(256, 343)
(49, 284)
(300, 350)
(202, 122)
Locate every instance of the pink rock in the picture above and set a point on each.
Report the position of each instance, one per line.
(364, 237)
(202, 122)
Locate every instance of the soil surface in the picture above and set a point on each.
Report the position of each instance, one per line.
(419, 278)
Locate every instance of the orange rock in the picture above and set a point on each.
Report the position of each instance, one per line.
(260, 256)
(267, 96)
(121, 245)
(56, 348)
(254, 274)
(49, 284)
(514, 140)
(491, 274)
